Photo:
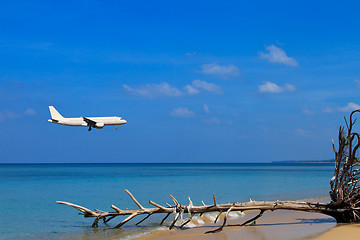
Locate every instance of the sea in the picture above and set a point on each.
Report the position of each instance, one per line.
(28, 193)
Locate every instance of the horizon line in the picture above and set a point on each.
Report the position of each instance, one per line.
(282, 161)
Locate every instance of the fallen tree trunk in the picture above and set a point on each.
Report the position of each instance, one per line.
(178, 209)
(344, 206)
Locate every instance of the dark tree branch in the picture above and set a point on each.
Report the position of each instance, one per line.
(254, 218)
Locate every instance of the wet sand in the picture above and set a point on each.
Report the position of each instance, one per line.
(278, 225)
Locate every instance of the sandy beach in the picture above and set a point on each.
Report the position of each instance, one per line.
(340, 231)
(281, 225)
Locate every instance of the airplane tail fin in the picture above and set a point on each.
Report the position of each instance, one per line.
(55, 114)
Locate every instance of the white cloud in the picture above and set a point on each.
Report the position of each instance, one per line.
(327, 110)
(191, 53)
(206, 109)
(307, 112)
(216, 69)
(302, 133)
(164, 89)
(277, 55)
(357, 82)
(210, 87)
(191, 90)
(349, 107)
(154, 90)
(197, 85)
(270, 87)
(30, 112)
(211, 120)
(9, 115)
(242, 136)
(182, 112)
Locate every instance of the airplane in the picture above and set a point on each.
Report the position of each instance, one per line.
(91, 122)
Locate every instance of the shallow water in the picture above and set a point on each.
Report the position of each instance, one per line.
(28, 192)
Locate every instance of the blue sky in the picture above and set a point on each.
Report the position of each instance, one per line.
(197, 81)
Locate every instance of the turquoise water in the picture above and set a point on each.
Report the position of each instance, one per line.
(28, 192)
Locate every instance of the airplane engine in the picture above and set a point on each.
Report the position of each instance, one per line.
(99, 125)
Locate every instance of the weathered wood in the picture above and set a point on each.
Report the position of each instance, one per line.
(126, 220)
(217, 217)
(345, 184)
(86, 212)
(162, 221)
(254, 218)
(176, 214)
(134, 199)
(188, 220)
(224, 222)
(328, 209)
(144, 219)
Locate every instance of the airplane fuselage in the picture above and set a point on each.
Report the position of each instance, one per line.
(101, 121)
(91, 122)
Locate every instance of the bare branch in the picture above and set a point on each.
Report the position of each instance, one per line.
(87, 212)
(174, 200)
(187, 221)
(144, 219)
(254, 218)
(217, 216)
(116, 209)
(126, 220)
(157, 205)
(190, 202)
(222, 226)
(162, 221)
(175, 219)
(134, 199)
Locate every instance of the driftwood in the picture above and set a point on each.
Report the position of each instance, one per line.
(177, 209)
(344, 205)
(345, 188)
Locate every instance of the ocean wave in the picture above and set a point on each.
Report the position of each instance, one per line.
(136, 235)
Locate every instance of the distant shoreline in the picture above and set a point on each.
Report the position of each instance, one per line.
(179, 163)
(307, 161)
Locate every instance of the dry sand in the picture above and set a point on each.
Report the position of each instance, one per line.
(341, 231)
(280, 225)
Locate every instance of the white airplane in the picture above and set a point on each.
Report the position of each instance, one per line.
(91, 122)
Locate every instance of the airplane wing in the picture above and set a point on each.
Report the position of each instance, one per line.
(92, 123)
(89, 122)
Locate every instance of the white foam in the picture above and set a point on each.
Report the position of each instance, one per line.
(191, 225)
(235, 214)
(212, 216)
(200, 222)
(141, 234)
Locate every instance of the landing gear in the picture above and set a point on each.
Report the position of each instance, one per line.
(89, 128)
(116, 127)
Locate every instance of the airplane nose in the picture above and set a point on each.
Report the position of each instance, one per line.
(125, 121)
